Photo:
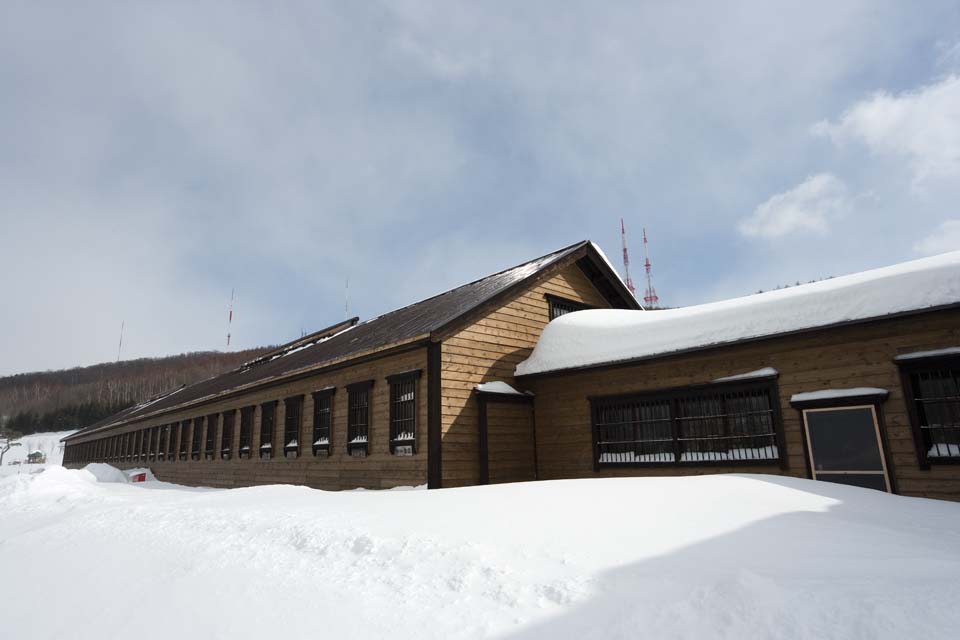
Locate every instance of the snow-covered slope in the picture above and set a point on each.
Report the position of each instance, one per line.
(601, 336)
(696, 557)
(48, 443)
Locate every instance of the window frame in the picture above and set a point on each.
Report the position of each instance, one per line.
(211, 421)
(265, 448)
(292, 401)
(247, 417)
(354, 391)
(196, 438)
(227, 435)
(553, 301)
(672, 395)
(394, 381)
(324, 395)
(908, 368)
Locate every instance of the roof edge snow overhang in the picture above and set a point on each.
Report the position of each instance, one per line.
(616, 364)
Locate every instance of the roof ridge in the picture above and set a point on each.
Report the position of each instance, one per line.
(575, 245)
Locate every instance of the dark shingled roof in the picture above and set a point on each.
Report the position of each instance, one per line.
(350, 339)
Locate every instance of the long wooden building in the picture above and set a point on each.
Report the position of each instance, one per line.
(853, 380)
(377, 404)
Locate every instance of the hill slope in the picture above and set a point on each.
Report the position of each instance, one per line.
(75, 398)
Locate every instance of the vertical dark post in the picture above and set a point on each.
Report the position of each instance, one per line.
(434, 424)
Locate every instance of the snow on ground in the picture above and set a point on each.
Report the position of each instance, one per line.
(599, 336)
(733, 556)
(48, 442)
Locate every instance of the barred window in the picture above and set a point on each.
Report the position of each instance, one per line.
(562, 306)
(293, 409)
(172, 440)
(358, 418)
(210, 442)
(268, 412)
(714, 424)
(322, 421)
(183, 437)
(246, 431)
(196, 438)
(933, 386)
(226, 448)
(151, 443)
(403, 412)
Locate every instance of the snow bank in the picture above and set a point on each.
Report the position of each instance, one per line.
(601, 336)
(106, 473)
(734, 556)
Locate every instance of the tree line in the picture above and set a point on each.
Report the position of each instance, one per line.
(78, 397)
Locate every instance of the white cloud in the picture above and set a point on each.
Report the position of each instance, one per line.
(922, 126)
(945, 238)
(810, 206)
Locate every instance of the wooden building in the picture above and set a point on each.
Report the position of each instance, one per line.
(382, 403)
(853, 380)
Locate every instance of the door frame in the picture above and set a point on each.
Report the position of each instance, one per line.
(483, 438)
(873, 401)
(876, 432)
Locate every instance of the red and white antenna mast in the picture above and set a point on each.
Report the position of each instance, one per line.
(230, 320)
(650, 296)
(626, 259)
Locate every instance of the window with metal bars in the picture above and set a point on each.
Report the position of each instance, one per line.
(403, 412)
(711, 424)
(210, 441)
(246, 431)
(562, 306)
(933, 389)
(292, 411)
(358, 418)
(151, 443)
(226, 446)
(195, 438)
(172, 433)
(268, 414)
(322, 421)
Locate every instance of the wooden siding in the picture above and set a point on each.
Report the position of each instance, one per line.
(852, 356)
(490, 349)
(379, 470)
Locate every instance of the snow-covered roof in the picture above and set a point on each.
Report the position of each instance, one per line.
(601, 336)
(497, 386)
(934, 353)
(833, 394)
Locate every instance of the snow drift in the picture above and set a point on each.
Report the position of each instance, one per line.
(689, 557)
(585, 338)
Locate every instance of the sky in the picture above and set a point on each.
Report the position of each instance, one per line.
(156, 156)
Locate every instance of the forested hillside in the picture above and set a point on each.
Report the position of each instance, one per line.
(75, 398)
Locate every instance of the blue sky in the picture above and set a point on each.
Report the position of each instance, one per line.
(156, 155)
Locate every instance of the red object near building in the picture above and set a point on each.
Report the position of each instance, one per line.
(138, 477)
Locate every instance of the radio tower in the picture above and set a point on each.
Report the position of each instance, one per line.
(230, 320)
(650, 296)
(626, 260)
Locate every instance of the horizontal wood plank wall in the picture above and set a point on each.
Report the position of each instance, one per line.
(379, 470)
(510, 437)
(835, 358)
(490, 349)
